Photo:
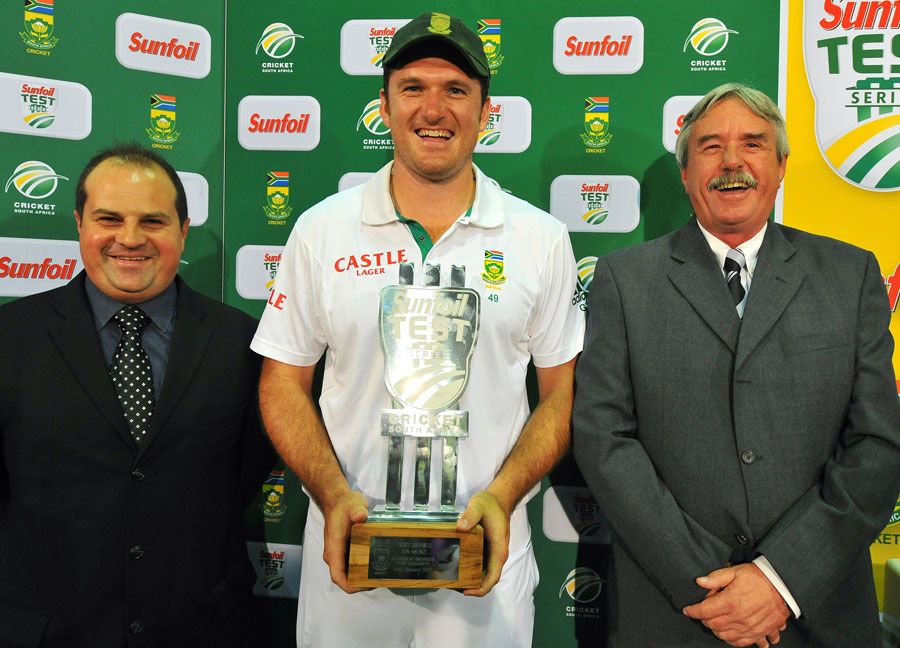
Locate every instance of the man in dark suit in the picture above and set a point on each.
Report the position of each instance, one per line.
(129, 436)
(736, 414)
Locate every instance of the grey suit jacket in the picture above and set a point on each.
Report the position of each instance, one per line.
(707, 439)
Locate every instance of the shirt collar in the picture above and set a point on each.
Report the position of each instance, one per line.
(749, 248)
(377, 208)
(160, 309)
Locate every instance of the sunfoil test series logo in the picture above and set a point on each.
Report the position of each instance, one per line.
(278, 197)
(488, 31)
(277, 42)
(38, 105)
(491, 133)
(162, 130)
(36, 181)
(596, 135)
(39, 36)
(851, 55)
(708, 38)
(370, 121)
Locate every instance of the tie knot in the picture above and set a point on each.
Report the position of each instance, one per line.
(734, 261)
(131, 319)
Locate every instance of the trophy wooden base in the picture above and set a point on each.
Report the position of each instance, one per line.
(415, 555)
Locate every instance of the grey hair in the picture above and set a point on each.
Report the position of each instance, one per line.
(756, 101)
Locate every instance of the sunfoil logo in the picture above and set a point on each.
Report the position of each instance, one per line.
(708, 37)
(371, 119)
(277, 40)
(34, 179)
(582, 584)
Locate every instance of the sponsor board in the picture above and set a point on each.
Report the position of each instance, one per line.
(196, 190)
(364, 42)
(255, 270)
(164, 46)
(279, 123)
(674, 111)
(571, 514)
(892, 283)
(596, 203)
(706, 43)
(852, 56)
(598, 45)
(353, 178)
(39, 22)
(36, 181)
(277, 42)
(508, 129)
(44, 107)
(29, 266)
(277, 568)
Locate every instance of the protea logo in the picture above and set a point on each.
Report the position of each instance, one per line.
(371, 119)
(708, 37)
(585, 268)
(39, 26)
(34, 180)
(583, 585)
(277, 40)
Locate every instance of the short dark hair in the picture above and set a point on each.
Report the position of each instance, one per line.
(438, 50)
(132, 153)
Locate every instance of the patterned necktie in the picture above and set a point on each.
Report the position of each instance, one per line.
(131, 373)
(734, 263)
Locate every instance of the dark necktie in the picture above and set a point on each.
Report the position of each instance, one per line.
(131, 373)
(734, 262)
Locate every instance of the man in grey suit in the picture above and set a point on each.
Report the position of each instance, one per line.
(736, 414)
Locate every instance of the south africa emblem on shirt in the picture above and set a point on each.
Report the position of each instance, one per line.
(493, 276)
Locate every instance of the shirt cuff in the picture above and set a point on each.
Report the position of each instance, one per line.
(766, 568)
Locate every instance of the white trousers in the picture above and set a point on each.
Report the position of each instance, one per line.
(328, 617)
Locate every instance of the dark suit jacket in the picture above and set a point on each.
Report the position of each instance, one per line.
(707, 440)
(104, 544)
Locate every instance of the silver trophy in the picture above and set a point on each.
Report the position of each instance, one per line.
(428, 334)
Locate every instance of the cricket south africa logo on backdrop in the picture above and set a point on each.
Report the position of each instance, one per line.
(34, 179)
(278, 197)
(277, 41)
(708, 38)
(371, 123)
(582, 584)
(162, 121)
(489, 33)
(38, 35)
(852, 56)
(596, 135)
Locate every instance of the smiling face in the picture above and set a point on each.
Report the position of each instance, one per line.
(130, 238)
(435, 113)
(733, 173)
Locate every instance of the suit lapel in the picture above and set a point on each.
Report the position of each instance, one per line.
(775, 282)
(700, 281)
(75, 335)
(189, 344)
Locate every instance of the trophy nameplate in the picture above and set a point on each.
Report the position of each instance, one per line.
(428, 334)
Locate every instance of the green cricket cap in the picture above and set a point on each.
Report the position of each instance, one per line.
(441, 28)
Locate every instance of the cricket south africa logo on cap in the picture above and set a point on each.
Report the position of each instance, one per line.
(440, 24)
(488, 31)
(39, 36)
(596, 135)
(162, 130)
(33, 179)
(852, 56)
(278, 197)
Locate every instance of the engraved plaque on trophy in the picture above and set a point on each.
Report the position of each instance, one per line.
(428, 334)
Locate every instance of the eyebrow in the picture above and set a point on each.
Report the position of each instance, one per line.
(112, 212)
(746, 137)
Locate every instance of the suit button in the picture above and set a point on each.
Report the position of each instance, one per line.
(135, 627)
(137, 474)
(136, 552)
(740, 537)
(748, 457)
